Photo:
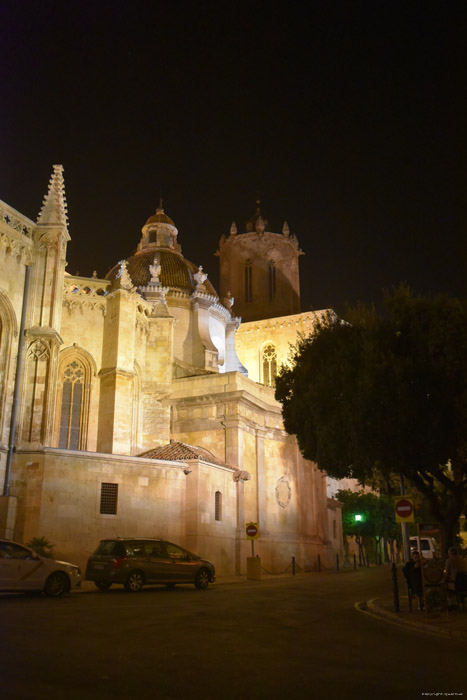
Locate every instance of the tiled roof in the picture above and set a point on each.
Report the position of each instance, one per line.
(179, 452)
(176, 271)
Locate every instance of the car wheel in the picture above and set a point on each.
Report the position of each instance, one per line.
(102, 585)
(56, 585)
(134, 582)
(202, 579)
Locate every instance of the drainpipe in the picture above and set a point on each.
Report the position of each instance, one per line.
(14, 408)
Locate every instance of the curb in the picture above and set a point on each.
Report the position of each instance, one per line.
(371, 607)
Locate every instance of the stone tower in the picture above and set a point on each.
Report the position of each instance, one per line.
(259, 269)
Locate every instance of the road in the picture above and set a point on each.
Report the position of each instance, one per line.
(288, 638)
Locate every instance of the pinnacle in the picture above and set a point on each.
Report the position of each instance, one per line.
(54, 206)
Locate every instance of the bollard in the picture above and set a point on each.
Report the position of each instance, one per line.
(395, 587)
(354, 561)
(319, 563)
(293, 566)
(337, 562)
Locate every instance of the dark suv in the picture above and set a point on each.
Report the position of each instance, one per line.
(137, 561)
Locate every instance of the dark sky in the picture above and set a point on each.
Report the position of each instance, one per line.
(348, 118)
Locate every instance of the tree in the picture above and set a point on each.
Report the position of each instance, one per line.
(367, 516)
(387, 391)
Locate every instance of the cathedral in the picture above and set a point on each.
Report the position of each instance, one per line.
(142, 404)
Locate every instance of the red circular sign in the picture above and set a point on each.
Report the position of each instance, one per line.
(251, 530)
(404, 508)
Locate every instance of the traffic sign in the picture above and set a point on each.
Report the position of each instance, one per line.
(404, 509)
(252, 531)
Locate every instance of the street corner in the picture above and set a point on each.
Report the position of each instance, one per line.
(452, 624)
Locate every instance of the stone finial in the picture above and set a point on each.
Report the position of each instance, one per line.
(94, 274)
(54, 206)
(124, 276)
(233, 229)
(200, 278)
(229, 301)
(285, 229)
(260, 225)
(155, 270)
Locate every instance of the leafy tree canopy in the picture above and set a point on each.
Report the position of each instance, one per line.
(388, 391)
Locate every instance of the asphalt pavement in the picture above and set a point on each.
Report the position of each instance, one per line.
(437, 622)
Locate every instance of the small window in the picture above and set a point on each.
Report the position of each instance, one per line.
(269, 357)
(218, 506)
(272, 280)
(248, 287)
(334, 529)
(109, 498)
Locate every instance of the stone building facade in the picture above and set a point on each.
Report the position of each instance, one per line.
(131, 405)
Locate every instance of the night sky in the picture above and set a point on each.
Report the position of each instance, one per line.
(348, 118)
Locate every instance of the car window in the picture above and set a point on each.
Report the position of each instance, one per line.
(137, 548)
(111, 547)
(425, 545)
(175, 552)
(15, 551)
(156, 550)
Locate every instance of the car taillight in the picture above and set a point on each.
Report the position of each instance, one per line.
(118, 561)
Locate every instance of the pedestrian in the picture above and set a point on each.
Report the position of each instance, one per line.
(454, 565)
(412, 571)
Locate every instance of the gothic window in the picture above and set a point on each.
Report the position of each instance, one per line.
(272, 280)
(109, 499)
(218, 505)
(269, 360)
(248, 288)
(74, 388)
(8, 331)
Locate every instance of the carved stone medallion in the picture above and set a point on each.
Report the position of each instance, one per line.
(283, 492)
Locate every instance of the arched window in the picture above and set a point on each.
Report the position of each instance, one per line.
(248, 287)
(269, 361)
(8, 331)
(218, 505)
(272, 280)
(73, 399)
(72, 403)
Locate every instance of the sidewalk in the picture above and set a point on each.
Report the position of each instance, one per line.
(446, 624)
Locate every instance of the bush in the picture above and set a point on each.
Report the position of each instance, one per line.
(41, 546)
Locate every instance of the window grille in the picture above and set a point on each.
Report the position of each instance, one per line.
(218, 505)
(109, 498)
(269, 365)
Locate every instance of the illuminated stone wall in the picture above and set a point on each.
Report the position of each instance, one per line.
(151, 365)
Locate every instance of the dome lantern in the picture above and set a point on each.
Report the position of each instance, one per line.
(159, 231)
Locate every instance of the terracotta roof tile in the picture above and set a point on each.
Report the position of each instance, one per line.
(179, 451)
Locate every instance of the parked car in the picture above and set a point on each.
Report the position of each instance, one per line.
(22, 570)
(429, 547)
(137, 561)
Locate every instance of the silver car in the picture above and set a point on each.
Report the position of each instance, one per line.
(24, 571)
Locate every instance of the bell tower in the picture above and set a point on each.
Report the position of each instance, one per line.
(260, 270)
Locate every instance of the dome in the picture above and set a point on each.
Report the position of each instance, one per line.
(160, 217)
(176, 271)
